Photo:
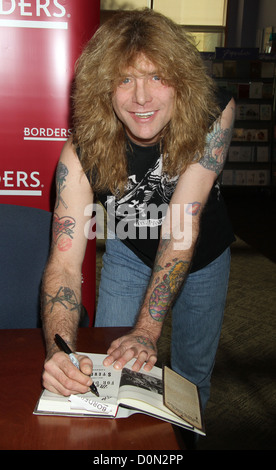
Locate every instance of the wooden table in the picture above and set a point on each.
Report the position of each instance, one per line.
(21, 363)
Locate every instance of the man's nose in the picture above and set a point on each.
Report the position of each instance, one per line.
(142, 93)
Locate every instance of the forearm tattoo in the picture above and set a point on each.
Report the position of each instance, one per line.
(166, 288)
(65, 297)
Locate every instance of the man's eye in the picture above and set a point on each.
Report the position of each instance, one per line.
(156, 79)
(125, 81)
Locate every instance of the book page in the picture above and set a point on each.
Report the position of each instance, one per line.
(142, 385)
(181, 396)
(144, 391)
(107, 381)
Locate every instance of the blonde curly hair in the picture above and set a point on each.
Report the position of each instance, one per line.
(115, 46)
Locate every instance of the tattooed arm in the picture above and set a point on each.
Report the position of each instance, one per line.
(176, 247)
(61, 289)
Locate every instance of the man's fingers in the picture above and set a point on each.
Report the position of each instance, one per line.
(120, 357)
(143, 358)
(61, 376)
(124, 349)
(58, 386)
(150, 363)
(115, 345)
(86, 366)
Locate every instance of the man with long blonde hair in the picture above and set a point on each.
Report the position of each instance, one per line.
(150, 138)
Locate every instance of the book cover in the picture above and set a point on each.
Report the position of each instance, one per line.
(239, 134)
(182, 397)
(262, 154)
(256, 90)
(230, 68)
(240, 154)
(255, 69)
(248, 112)
(227, 177)
(240, 177)
(265, 112)
(267, 91)
(268, 70)
(257, 177)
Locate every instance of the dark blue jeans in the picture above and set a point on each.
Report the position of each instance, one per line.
(197, 314)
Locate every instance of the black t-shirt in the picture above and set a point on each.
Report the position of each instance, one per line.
(137, 216)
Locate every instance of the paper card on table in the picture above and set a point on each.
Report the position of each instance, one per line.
(181, 396)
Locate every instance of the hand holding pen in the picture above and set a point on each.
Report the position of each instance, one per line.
(65, 348)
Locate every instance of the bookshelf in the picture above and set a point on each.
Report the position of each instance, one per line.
(250, 78)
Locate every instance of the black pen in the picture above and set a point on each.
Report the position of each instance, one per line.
(65, 348)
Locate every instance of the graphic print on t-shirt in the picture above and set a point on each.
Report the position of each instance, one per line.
(146, 201)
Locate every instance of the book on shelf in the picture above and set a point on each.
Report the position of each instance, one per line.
(228, 177)
(240, 154)
(256, 90)
(161, 393)
(230, 68)
(267, 91)
(257, 177)
(245, 91)
(249, 135)
(245, 177)
(255, 69)
(268, 69)
(265, 112)
(248, 112)
(262, 154)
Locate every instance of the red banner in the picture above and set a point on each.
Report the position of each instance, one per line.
(40, 41)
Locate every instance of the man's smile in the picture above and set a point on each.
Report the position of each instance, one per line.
(145, 115)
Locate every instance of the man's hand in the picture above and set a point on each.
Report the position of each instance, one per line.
(62, 377)
(137, 344)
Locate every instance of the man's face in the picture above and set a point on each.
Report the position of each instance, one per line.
(143, 103)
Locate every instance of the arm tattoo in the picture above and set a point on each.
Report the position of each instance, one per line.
(218, 141)
(166, 289)
(64, 296)
(63, 231)
(193, 208)
(61, 173)
(144, 341)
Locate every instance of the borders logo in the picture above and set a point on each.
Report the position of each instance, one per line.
(20, 183)
(47, 134)
(38, 14)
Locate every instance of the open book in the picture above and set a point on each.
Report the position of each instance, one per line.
(161, 393)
